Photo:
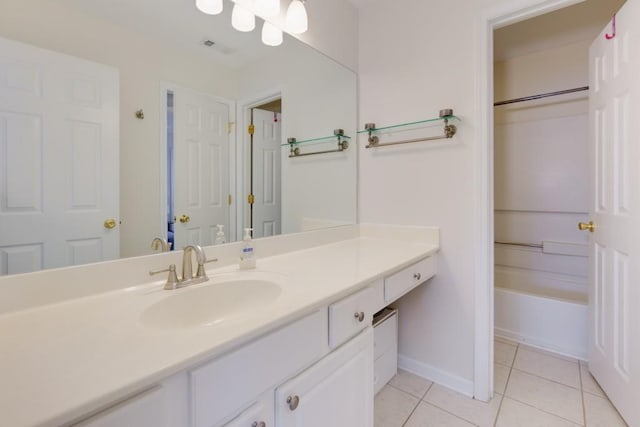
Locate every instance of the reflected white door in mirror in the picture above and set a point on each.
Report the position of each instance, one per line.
(198, 131)
(59, 143)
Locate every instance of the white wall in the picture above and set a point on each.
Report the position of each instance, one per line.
(541, 169)
(416, 57)
(318, 96)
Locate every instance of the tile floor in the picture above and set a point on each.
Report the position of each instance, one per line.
(532, 389)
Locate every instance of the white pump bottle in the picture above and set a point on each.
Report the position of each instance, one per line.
(247, 254)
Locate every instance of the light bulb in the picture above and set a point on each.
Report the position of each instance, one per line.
(242, 19)
(268, 8)
(210, 7)
(296, 21)
(271, 35)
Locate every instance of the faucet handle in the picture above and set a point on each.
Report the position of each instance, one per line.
(172, 279)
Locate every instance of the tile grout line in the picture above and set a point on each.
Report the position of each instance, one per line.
(584, 408)
(495, 422)
(445, 410)
(546, 412)
(417, 404)
(579, 388)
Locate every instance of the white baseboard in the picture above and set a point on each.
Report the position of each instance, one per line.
(428, 372)
(540, 344)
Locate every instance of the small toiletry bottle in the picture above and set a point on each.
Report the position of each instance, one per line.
(220, 237)
(247, 255)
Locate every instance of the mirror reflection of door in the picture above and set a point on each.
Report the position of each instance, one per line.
(59, 200)
(264, 180)
(197, 167)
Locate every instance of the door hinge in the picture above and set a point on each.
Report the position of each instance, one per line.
(230, 126)
(251, 199)
(252, 129)
(229, 199)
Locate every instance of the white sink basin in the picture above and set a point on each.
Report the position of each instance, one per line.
(209, 304)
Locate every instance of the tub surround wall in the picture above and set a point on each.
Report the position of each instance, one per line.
(541, 170)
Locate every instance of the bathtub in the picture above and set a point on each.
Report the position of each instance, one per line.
(547, 319)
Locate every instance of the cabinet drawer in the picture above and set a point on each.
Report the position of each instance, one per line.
(385, 334)
(405, 280)
(143, 410)
(349, 316)
(385, 367)
(222, 387)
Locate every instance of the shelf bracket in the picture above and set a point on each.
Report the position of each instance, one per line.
(449, 132)
(343, 144)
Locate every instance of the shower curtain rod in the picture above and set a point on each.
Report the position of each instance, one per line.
(542, 95)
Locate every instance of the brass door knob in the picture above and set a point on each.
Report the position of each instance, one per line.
(590, 226)
(110, 223)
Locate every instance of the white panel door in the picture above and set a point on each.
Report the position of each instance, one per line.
(614, 296)
(59, 137)
(266, 173)
(201, 159)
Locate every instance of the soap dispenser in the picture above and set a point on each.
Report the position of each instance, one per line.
(247, 255)
(220, 237)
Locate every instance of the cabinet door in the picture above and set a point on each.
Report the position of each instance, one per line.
(337, 391)
(259, 414)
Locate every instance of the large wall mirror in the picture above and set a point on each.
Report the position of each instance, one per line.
(122, 121)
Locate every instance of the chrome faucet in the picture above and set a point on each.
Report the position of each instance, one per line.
(160, 243)
(187, 269)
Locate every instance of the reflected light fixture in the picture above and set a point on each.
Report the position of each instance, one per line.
(242, 19)
(268, 8)
(271, 35)
(210, 7)
(296, 20)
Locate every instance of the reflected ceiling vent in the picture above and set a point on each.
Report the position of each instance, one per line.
(218, 47)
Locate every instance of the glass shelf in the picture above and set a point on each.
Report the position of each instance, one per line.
(318, 140)
(428, 121)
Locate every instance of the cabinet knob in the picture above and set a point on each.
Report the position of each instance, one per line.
(417, 276)
(359, 316)
(259, 424)
(293, 402)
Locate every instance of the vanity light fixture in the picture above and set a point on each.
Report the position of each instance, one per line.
(210, 7)
(271, 35)
(296, 19)
(242, 19)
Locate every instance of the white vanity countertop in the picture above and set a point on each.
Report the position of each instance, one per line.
(60, 361)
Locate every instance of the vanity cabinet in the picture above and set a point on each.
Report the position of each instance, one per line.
(318, 370)
(336, 391)
(221, 388)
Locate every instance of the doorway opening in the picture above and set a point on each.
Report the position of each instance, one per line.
(262, 180)
(498, 18)
(541, 177)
